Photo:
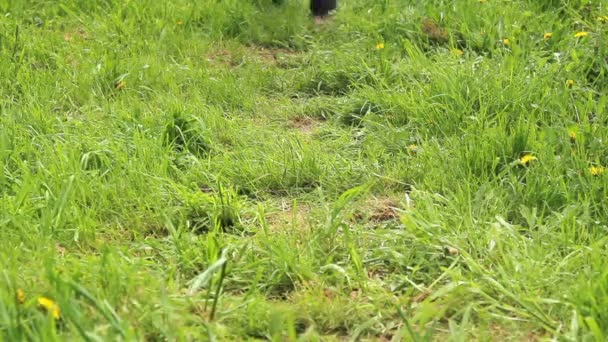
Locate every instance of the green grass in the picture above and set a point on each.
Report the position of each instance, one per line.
(227, 170)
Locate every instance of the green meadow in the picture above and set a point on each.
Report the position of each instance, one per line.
(228, 170)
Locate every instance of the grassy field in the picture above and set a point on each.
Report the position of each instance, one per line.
(228, 170)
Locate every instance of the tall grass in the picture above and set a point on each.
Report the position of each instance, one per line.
(227, 170)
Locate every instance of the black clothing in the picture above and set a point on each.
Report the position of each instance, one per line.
(322, 7)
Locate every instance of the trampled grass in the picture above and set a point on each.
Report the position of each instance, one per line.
(227, 170)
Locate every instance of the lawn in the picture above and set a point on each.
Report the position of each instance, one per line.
(229, 170)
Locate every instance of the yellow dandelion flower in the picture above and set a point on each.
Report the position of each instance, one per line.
(572, 135)
(49, 305)
(413, 149)
(597, 170)
(506, 42)
(526, 159)
(20, 296)
(581, 34)
(548, 35)
(379, 46)
(569, 83)
(179, 22)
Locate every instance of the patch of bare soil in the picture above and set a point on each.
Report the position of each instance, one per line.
(378, 210)
(75, 33)
(222, 57)
(232, 58)
(304, 124)
(288, 216)
(272, 56)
